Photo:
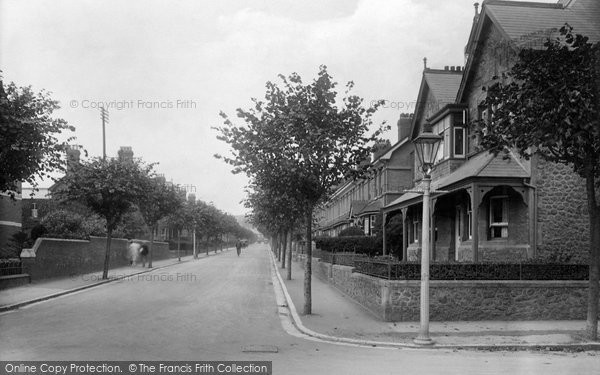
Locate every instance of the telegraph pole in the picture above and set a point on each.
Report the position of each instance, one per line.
(104, 115)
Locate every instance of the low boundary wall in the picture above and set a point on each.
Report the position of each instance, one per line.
(399, 300)
(54, 257)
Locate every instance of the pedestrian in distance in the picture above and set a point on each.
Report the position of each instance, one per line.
(134, 250)
(144, 253)
(238, 247)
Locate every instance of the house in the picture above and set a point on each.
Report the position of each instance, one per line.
(495, 208)
(359, 202)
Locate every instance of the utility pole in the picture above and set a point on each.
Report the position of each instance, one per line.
(104, 115)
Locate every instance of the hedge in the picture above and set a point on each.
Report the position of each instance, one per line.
(473, 271)
(351, 244)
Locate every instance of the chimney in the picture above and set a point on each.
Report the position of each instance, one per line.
(404, 124)
(126, 154)
(476, 5)
(446, 67)
(425, 63)
(161, 178)
(73, 155)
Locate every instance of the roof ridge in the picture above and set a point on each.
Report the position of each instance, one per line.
(528, 4)
(444, 71)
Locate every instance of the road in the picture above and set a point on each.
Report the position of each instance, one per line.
(214, 309)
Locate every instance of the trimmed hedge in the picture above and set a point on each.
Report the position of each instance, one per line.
(351, 244)
(473, 271)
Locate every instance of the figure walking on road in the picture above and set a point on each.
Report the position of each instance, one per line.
(144, 254)
(134, 249)
(238, 247)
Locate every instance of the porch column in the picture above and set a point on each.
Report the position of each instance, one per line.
(404, 235)
(475, 199)
(384, 234)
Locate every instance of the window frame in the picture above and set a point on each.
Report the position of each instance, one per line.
(503, 225)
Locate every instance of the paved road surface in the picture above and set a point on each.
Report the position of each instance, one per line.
(211, 309)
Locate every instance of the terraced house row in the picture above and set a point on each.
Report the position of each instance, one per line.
(492, 207)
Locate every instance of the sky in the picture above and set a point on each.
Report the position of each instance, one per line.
(165, 69)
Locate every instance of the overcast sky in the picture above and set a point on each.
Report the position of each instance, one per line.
(166, 69)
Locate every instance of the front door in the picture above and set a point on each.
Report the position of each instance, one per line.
(458, 226)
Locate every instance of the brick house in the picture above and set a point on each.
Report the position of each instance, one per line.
(496, 208)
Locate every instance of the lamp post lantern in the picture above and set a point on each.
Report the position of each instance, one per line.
(427, 145)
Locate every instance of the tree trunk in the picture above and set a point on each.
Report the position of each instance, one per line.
(278, 236)
(151, 246)
(194, 244)
(179, 245)
(107, 254)
(308, 265)
(283, 248)
(593, 292)
(289, 260)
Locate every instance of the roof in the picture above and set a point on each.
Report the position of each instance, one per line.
(517, 19)
(481, 165)
(443, 84)
(373, 206)
(521, 21)
(357, 206)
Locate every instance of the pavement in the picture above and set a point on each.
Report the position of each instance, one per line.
(336, 317)
(37, 291)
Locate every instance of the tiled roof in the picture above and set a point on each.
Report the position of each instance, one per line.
(444, 85)
(518, 19)
(357, 206)
(481, 165)
(371, 207)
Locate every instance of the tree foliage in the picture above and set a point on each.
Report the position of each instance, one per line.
(299, 144)
(109, 188)
(29, 136)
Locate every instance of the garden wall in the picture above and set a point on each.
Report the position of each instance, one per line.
(53, 257)
(399, 300)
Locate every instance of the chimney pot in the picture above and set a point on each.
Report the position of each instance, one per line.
(476, 5)
(446, 67)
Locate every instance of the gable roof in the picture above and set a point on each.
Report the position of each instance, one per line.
(443, 85)
(517, 20)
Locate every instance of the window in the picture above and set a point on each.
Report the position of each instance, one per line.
(415, 230)
(442, 128)
(372, 224)
(459, 142)
(34, 211)
(499, 217)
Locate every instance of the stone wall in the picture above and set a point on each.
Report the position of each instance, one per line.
(562, 210)
(53, 257)
(399, 300)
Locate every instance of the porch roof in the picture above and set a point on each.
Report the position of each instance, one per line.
(483, 165)
(374, 206)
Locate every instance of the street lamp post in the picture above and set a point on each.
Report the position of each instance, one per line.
(426, 145)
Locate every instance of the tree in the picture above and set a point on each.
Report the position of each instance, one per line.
(29, 145)
(109, 188)
(550, 106)
(159, 201)
(299, 138)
